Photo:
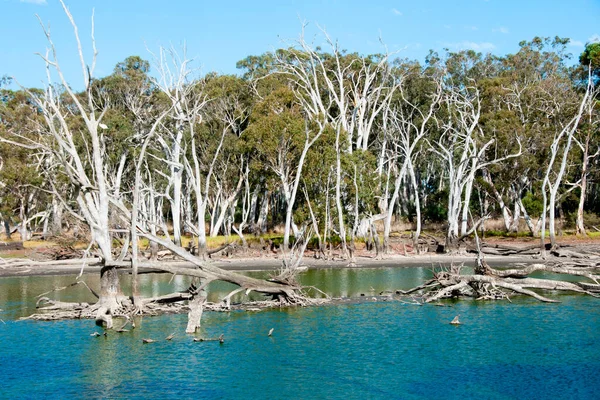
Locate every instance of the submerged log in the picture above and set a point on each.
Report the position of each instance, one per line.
(220, 339)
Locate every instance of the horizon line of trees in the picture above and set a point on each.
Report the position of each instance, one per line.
(327, 143)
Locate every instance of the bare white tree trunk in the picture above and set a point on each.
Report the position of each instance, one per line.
(338, 195)
(291, 194)
(177, 82)
(87, 169)
(550, 189)
(261, 222)
(461, 150)
(506, 216)
(585, 162)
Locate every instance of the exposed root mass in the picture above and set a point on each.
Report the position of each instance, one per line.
(487, 283)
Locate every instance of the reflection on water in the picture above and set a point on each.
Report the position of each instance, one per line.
(523, 349)
(18, 295)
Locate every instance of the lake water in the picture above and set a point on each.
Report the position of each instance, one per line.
(370, 350)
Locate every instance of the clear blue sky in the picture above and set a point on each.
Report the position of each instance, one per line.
(219, 33)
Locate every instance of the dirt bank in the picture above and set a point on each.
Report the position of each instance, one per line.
(253, 260)
(73, 267)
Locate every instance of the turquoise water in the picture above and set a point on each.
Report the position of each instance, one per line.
(373, 350)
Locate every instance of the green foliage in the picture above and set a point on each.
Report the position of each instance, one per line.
(256, 121)
(436, 209)
(533, 204)
(5, 81)
(590, 58)
(591, 55)
(20, 176)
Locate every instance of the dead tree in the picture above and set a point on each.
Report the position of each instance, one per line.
(86, 168)
(487, 283)
(88, 171)
(462, 148)
(557, 165)
(347, 93)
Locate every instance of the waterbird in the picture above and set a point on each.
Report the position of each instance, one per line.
(271, 331)
(455, 321)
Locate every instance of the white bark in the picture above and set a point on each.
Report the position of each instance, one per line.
(177, 81)
(462, 148)
(561, 144)
(409, 125)
(290, 193)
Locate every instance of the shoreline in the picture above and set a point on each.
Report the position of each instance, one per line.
(271, 263)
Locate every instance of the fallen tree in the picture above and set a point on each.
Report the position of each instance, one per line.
(281, 290)
(487, 283)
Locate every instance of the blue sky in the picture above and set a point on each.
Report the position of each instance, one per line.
(219, 33)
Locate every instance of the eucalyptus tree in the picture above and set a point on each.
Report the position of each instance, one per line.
(225, 120)
(282, 138)
(345, 91)
(221, 121)
(521, 91)
(180, 83)
(588, 135)
(409, 121)
(505, 182)
(462, 145)
(22, 186)
(541, 93)
(230, 176)
(558, 162)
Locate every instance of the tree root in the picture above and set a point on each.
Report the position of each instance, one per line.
(492, 284)
(155, 309)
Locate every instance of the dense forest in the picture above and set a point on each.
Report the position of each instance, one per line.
(338, 143)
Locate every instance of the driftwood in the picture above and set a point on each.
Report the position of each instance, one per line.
(504, 250)
(491, 284)
(563, 251)
(44, 303)
(210, 252)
